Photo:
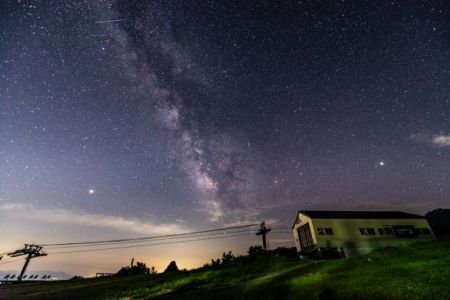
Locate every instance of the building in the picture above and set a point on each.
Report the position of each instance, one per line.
(345, 233)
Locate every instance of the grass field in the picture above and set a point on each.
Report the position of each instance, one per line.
(421, 271)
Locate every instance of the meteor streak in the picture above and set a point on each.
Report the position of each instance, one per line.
(110, 21)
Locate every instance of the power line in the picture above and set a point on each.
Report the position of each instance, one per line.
(263, 231)
(141, 241)
(147, 245)
(148, 237)
(91, 246)
(10, 261)
(30, 251)
(145, 240)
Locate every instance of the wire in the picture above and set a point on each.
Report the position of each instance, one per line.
(147, 245)
(148, 237)
(156, 239)
(10, 261)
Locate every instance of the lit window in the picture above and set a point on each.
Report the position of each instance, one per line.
(404, 231)
(324, 231)
(367, 231)
(385, 231)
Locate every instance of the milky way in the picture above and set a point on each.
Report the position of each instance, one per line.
(178, 115)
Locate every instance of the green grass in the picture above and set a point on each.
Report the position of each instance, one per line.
(421, 271)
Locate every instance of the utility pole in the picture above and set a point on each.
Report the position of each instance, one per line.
(263, 231)
(31, 251)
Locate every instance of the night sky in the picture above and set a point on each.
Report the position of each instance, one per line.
(124, 118)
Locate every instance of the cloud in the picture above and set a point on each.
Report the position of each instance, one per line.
(80, 218)
(433, 140)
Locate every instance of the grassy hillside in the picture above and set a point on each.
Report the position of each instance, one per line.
(421, 271)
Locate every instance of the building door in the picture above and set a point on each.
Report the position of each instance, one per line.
(305, 236)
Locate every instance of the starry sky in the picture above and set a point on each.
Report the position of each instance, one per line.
(124, 118)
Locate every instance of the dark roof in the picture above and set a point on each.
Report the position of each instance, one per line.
(329, 214)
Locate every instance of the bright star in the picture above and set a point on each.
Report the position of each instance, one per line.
(91, 192)
(381, 163)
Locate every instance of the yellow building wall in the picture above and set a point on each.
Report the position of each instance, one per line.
(346, 233)
(303, 220)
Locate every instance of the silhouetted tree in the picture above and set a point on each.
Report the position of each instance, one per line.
(255, 250)
(439, 220)
(172, 267)
(286, 252)
(139, 268)
(227, 257)
(215, 263)
(77, 277)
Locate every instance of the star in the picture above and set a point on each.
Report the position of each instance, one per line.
(203, 128)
